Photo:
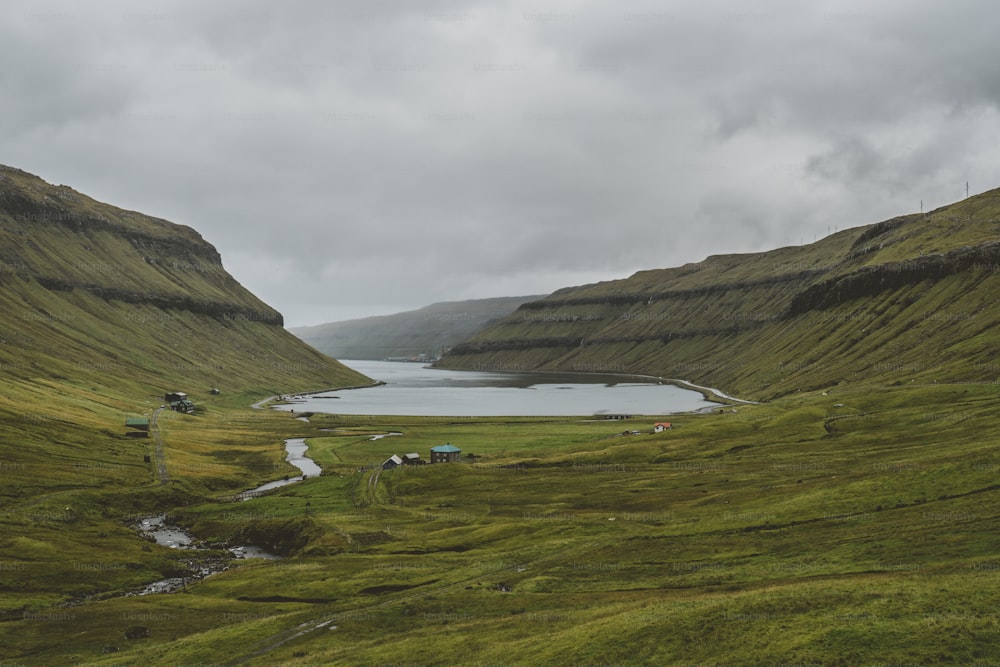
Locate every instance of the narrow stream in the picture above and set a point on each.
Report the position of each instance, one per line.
(296, 448)
(175, 537)
(385, 435)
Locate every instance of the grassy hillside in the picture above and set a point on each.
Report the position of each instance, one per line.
(104, 311)
(426, 331)
(905, 300)
(97, 295)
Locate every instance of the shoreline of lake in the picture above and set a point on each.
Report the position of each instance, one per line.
(423, 390)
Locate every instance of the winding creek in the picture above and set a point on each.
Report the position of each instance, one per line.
(157, 529)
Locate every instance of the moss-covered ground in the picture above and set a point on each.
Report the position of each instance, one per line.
(853, 526)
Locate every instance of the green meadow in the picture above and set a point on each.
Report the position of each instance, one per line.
(854, 526)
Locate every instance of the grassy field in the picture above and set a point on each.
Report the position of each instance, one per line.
(851, 527)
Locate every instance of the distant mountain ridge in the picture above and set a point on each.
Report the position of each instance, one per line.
(421, 333)
(905, 300)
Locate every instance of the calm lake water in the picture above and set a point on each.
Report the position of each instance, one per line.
(414, 389)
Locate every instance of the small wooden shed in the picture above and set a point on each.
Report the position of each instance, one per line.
(392, 462)
(139, 427)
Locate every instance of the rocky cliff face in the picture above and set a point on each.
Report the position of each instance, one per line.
(894, 301)
(83, 282)
(870, 281)
(66, 241)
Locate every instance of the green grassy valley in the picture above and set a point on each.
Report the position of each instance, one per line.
(849, 518)
(856, 527)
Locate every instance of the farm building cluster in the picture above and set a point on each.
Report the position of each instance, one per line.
(447, 453)
(178, 402)
(658, 427)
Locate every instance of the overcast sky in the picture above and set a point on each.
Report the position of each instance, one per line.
(363, 158)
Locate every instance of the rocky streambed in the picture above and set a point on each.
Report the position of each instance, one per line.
(202, 563)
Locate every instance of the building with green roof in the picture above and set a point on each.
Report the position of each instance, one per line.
(445, 454)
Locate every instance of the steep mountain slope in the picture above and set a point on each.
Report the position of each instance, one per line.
(908, 299)
(425, 331)
(96, 294)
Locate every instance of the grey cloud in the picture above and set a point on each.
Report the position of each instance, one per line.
(376, 155)
(850, 159)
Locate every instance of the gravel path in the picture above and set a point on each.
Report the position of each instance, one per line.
(158, 455)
